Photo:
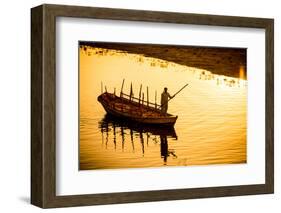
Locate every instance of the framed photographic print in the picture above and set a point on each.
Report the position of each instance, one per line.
(136, 106)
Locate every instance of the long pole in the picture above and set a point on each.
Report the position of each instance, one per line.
(122, 88)
(179, 90)
(155, 98)
(147, 96)
(131, 91)
(140, 94)
(174, 95)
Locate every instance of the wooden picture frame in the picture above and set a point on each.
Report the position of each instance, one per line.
(43, 105)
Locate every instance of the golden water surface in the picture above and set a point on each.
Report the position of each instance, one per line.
(211, 125)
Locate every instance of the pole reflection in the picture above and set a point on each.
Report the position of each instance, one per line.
(111, 128)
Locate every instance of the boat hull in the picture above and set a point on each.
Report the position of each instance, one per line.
(168, 120)
(113, 121)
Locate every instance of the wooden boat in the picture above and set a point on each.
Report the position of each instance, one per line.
(135, 109)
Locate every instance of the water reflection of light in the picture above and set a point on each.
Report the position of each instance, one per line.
(242, 72)
(201, 74)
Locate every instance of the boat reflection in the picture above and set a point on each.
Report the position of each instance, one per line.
(115, 129)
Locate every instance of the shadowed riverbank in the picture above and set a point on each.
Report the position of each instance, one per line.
(222, 61)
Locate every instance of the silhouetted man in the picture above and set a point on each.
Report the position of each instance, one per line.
(164, 101)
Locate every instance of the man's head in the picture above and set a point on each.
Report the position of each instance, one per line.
(165, 89)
